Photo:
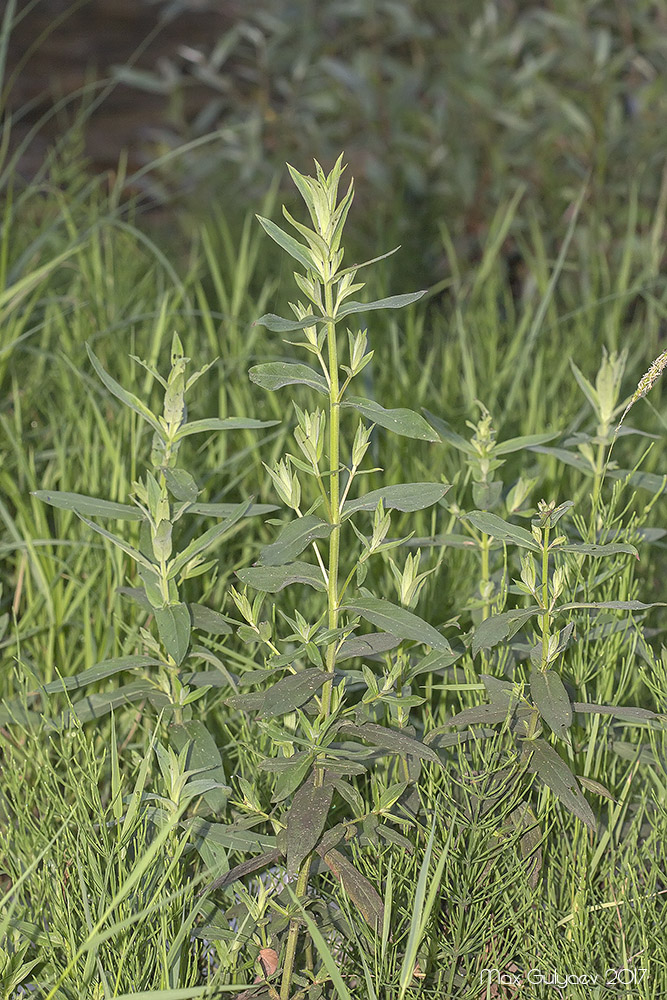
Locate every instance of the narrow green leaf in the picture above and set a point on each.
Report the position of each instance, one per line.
(227, 509)
(271, 579)
(209, 621)
(284, 696)
(203, 753)
(392, 618)
(612, 606)
(223, 424)
(552, 700)
(483, 715)
(391, 739)
(392, 302)
(527, 441)
(554, 772)
(493, 525)
(229, 835)
(240, 871)
(124, 396)
(407, 423)
(278, 324)
(359, 889)
(405, 497)
(306, 819)
(608, 549)
(95, 706)
(293, 539)
(89, 506)
(288, 243)
(493, 630)
(627, 713)
(447, 434)
(99, 672)
(367, 645)
(174, 626)
(181, 485)
(121, 543)
(277, 374)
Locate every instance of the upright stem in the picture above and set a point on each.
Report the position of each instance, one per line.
(334, 495)
(545, 597)
(292, 937)
(332, 600)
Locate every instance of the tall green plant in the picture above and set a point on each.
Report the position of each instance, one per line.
(326, 709)
(167, 494)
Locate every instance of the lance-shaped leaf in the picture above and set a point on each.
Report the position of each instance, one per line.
(527, 441)
(612, 606)
(627, 713)
(391, 739)
(642, 480)
(124, 396)
(306, 819)
(278, 324)
(223, 424)
(392, 618)
(240, 871)
(407, 423)
(121, 543)
(206, 540)
(358, 888)
(451, 540)
(573, 458)
(230, 835)
(491, 524)
(95, 706)
(277, 374)
(287, 694)
(181, 485)
(447, 434)
(554, 772)
(99, 672)
(367, 645)
(226, 509)
(208, 620)
(203, 753)
(89, 506)
(295, 249)
(552, 700)
(392, 302)
(487, 714)
(405, 497)
(271, 579)
(607, 549)
(174, 626)
(493, 630)
(293, 539)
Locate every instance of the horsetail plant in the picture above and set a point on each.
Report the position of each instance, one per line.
(320, 701)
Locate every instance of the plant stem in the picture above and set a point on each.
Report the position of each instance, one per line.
(334, 495)
(545, 597)
(293, 936)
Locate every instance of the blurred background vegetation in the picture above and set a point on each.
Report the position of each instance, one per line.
(444, 110)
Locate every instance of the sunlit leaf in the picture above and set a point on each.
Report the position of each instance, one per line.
(405, 497)
(396, 620)
(293, 539)
(404, 422)
(552, 700)
(271, 579)
(277, 374)
(89, 506)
